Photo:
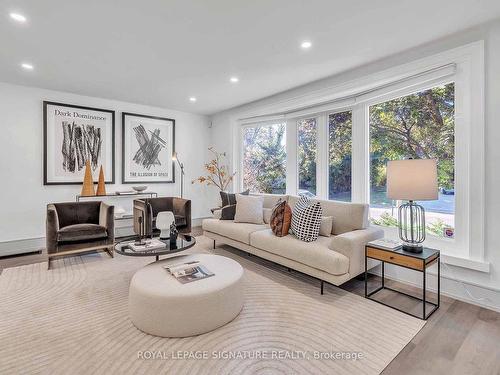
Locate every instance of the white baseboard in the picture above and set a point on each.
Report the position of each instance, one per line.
(30, 245)
(488, 298)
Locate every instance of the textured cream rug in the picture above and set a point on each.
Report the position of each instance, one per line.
(73, 320)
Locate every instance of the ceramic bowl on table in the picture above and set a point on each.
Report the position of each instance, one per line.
(139, 189)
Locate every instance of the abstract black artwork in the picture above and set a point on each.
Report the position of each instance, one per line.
(72, 135)
(147, 146)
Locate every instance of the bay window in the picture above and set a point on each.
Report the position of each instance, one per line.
(339, 150)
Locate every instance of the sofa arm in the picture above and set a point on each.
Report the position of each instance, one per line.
(107, 219)
(352, 245)
(51, 229)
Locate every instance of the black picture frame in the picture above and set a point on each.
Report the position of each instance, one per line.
(124, 160)
(46, 103)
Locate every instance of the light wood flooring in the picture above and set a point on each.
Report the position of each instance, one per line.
(459, 338)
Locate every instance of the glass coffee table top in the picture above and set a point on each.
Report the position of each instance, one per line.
(184, 242)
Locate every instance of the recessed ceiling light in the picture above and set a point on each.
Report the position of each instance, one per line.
(234, 79)
(18, 17)
(27, 66)
(306, 44)
(192, 99)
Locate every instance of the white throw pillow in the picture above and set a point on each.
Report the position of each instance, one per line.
(326, 226)
(249, 209)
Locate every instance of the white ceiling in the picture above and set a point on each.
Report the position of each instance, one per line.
(161, 52)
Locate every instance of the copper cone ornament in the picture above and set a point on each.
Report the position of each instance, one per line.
(88, 182)
(101, 186)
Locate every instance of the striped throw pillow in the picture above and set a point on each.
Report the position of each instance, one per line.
(306, 219)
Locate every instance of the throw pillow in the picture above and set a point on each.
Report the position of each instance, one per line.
(267, 212)
(306, 219)
(326, 226)
(249, 209)
(230, 198)
(281, 218)
(227, 212)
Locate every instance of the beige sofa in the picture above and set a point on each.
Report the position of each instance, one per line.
(333, 259)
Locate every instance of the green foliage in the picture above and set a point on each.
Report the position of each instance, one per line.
(386, 220)
(416, 126)
(420, 125)
(436, 228)
(307, 141)
(264, 159)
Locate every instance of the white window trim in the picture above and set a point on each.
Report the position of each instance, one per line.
(464, 66)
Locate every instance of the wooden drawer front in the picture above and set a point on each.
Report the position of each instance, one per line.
(402, 260)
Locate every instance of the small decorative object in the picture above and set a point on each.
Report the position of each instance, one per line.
(181, 166)
(147, 149)
(163, 221)
(412, 180)
(173, 234)
(140, 241)
(449, 232)
(218, 172)
(139, 188)
(88, 182)
(101, 185)
(72, 135)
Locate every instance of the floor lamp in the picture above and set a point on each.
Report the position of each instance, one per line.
(412, 180)
(181, 166)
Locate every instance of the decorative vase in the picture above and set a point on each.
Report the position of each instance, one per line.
(173, 234)
(88, 182)
(101, 185)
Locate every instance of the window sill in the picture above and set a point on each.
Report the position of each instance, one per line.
(447, 248)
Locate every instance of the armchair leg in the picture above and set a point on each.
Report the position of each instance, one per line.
(48, 264)
(111, 252)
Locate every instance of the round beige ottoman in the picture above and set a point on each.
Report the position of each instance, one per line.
(162, 306)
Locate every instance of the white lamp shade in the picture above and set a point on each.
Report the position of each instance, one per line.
(412, 179)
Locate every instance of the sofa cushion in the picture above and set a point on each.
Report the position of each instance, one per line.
(81, 232)
(347, 216)
(313, 254)
(228, 228)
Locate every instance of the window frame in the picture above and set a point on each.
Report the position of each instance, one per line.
(356, 95)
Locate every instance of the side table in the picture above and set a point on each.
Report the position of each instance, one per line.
(417, 262)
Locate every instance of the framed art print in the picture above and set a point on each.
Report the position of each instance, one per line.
(147, 148)
(72, 135)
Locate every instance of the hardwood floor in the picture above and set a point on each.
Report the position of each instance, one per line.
(459, 338)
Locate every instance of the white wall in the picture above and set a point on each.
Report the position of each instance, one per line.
(23, 196)
(481, 284)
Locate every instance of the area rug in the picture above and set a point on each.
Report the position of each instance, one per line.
(73, 320)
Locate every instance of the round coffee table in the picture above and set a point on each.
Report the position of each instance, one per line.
(161, 305)
(184, 242)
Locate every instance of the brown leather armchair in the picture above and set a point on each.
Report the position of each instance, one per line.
(146, 210)
(77, 227)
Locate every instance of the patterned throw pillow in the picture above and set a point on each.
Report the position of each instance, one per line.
(306, 219)
(230, 198)
(281, 218)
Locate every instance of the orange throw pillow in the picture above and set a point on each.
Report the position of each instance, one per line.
(281, 218)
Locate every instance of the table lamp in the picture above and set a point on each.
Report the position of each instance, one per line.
(412, 180)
